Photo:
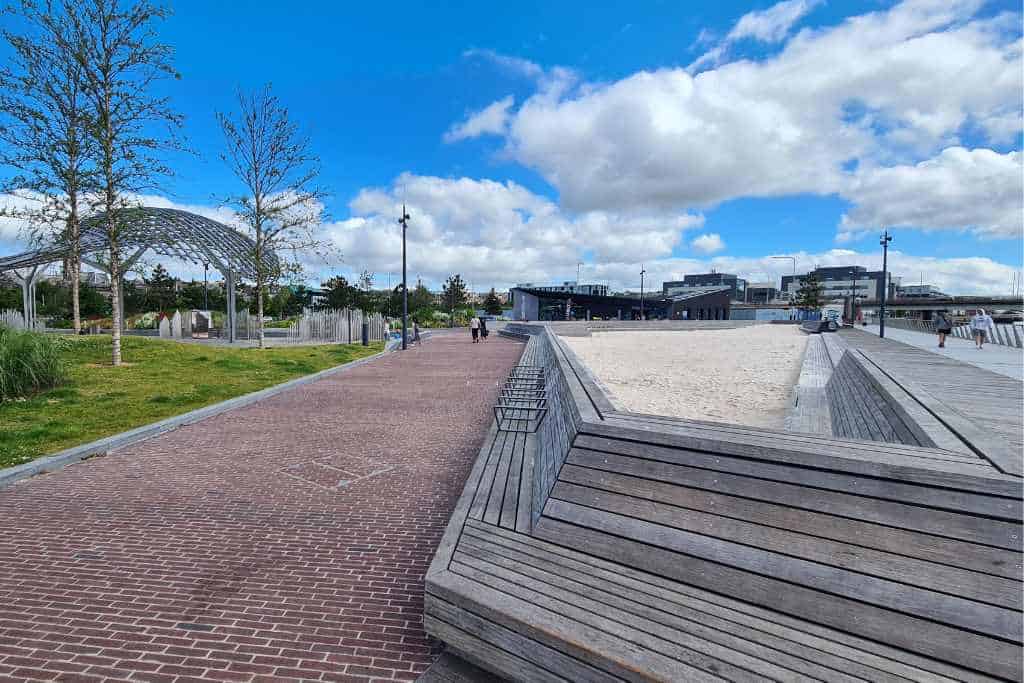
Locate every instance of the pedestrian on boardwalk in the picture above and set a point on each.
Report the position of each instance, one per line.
(981, 326)
(483, 329)
(943, 326)
(474, 328)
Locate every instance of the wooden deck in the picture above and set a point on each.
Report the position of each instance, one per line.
(669, 549)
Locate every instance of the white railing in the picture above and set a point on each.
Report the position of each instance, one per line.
(1004, 335)
(342, 326)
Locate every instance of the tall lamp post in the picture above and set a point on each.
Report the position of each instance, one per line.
(884, 241)
(404, 221)
(206, 289)
(642, 273)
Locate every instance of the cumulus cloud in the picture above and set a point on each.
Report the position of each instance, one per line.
(884, 89)
(959, 189)
(491, 120)
(708, 243)
(767, 26)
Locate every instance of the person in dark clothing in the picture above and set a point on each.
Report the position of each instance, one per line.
(483, 329)
(943, 326)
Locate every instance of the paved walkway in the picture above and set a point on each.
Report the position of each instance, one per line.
(284, 540)
(1001, 359)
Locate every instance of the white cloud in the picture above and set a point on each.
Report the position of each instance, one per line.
(959, 189)
(491, 120)
(708, 243)
(884, 89)
(773, 24)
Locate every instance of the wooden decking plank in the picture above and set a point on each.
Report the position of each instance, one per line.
(967, 556)
(478, 651)
(845, 644)
(958, 583)
(763, 648)
(828, 581)
(946, 474)
(911, 517)
(486, 479)
(510, 502)
(828, 444)
(524, 511)
(982, 653)
(668, 660)
(546, 662)
(648, 626)
(492, 512)
(517, 611)
(886, 489)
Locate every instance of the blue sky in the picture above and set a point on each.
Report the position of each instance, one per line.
(377, 86)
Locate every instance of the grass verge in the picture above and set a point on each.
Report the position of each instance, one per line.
(160, 379)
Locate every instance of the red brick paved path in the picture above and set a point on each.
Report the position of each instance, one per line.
(225, 550)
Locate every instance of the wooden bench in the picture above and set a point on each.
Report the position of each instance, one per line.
(670, 549)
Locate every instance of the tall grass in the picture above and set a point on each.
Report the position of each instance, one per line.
(29, 362)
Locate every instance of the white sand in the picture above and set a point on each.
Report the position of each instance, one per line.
(740, 376)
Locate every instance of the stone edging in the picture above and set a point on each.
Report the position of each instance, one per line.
(70, 456)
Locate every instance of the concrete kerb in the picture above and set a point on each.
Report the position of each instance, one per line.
(104, 446)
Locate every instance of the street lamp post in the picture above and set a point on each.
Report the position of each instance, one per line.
(206, 290)
(642, 273)
(404, 221)
(884, 241)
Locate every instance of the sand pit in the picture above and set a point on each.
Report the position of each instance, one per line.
(740, 376)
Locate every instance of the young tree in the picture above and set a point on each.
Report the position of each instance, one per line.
(808, 296)
(281, 205)
(453, 295)
(340, 294)
(42, 108)
(121, 59)
(160, 289)
(364, 293)
(492, 304)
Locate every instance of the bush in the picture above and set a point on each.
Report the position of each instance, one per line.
(29, 362)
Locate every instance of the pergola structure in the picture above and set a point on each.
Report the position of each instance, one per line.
(168, 232)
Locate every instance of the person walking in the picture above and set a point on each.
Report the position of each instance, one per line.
(474, 328)
(483, 329)
(943, 326)
(981, 326)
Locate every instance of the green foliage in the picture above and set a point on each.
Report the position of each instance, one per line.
(808, 297)
(29, 362)
(453, 293)
(160, 290)
(492, 304)
(10, 298)
(164, 378)
(339, 293)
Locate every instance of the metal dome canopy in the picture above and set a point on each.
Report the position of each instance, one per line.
(168, 232)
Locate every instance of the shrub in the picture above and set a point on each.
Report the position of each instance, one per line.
(29, 362)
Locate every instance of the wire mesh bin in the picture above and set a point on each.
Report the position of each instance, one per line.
(523, 400)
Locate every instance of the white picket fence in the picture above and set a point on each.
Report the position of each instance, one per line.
(342, 326)
(15, 320)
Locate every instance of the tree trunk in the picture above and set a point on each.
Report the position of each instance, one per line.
(115, 303)
(76, 266)
(259, 314)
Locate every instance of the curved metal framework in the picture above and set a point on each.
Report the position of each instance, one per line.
(169, 232)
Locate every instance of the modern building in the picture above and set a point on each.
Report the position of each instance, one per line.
(737, 285)
(919, 292)
(838, 282)
(708, 303)
(568, 288)
(761, 292)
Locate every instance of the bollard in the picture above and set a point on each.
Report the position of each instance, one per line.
(366, 333)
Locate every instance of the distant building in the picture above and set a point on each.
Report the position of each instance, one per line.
(919, 292)
(708, 303)
(568, 288)
(761, 292)
(737, 285)
(841, 281)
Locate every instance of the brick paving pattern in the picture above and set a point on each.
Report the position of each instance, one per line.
(284, 540)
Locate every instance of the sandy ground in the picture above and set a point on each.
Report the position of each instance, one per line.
(741, 376)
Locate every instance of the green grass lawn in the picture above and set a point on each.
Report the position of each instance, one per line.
(159, 379)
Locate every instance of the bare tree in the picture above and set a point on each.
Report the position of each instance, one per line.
(121, 58)
(280, 205)
(42, 105)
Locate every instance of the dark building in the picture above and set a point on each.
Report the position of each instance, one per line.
(761, 293)
(568, 287)
(737, 285)
(840, 281)
(709, 303)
